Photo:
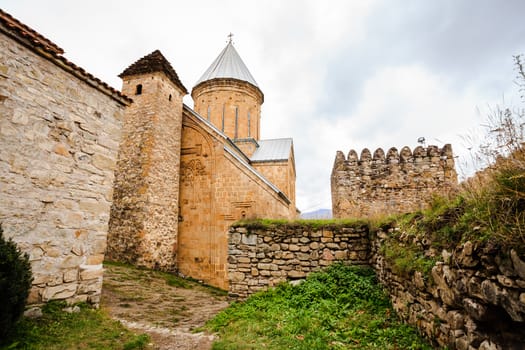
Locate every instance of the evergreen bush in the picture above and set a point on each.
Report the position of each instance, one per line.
(15, 283)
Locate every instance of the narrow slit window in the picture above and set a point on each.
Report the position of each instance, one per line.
(169, 98)
(138, 90)
(223, 111)
(249, 125)
(209, 112)
(236, 122)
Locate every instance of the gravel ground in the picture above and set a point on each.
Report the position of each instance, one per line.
(144, 302)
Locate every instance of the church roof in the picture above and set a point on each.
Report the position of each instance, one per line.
(228, 65)
(154, 62)
(272, 150)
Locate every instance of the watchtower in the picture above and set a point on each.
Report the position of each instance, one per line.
(144, 215)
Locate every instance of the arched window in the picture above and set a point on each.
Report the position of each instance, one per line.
(138, 90)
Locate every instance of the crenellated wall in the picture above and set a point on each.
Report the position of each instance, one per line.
(395, 182)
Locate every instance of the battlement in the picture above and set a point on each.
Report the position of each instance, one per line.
(379, 183)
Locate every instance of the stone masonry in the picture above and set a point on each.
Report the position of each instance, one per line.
(240, 113)
(379, 184)
(59, 135)
(181, 182)
(262, 258)
(144, 217)
(474, 298)
(217, 188)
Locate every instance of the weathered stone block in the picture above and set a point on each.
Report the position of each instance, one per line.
(314, 245)
(519, 265)
(296, 274)
(294, 248)
(236, 276)
(62, 291)
(70, 275)
(89, 272)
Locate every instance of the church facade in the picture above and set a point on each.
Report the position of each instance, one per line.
(184, 175)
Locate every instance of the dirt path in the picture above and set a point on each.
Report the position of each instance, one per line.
(169, 309)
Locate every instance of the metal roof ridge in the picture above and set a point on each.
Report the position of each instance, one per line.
(278, 138)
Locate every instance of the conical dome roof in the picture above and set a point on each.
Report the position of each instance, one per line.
(152, 63)
(228, 65)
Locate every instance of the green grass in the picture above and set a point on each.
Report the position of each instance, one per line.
(171, 279)
(340, 308)
(59, 330)
(333, 224)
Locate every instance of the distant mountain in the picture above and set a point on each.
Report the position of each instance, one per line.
(318, 214)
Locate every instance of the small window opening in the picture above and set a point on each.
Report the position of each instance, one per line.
(243, 215)
(138, 91)
(169, 98)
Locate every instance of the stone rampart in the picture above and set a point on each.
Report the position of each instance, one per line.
(59, 136)
(395, 182)
(259, 258)
(474, 297)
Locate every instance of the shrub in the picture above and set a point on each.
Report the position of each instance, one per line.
(497, 193)
(15, 283)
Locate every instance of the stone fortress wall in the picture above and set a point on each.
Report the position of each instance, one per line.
(474, 298)
(395, 182)
(59, 135)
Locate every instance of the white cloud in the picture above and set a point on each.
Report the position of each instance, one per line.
(336, 74)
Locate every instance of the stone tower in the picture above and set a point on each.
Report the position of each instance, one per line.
(144, 215)
(228, 96)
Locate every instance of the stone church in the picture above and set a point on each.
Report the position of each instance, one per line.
(184, 175)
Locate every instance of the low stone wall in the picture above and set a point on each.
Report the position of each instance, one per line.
(474, 297)
(259, 258)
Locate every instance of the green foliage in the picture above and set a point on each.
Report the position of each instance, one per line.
(497, 194)
(340, 308)
(86, 329)
(15, 284)
(307, 224)
(406, 260)
(138, 342)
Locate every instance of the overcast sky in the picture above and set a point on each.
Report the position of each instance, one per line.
(336, 75)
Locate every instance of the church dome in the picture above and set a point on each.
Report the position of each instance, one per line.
(228, 65)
